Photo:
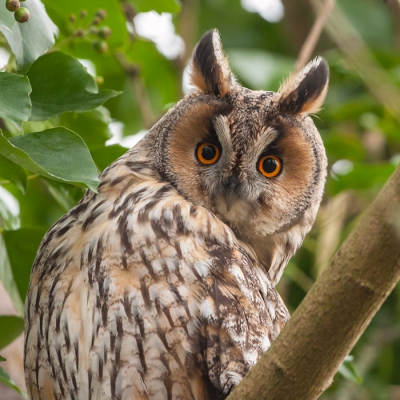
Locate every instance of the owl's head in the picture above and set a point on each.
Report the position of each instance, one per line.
(253, 158)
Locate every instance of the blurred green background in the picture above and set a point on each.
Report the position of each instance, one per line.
(145, 57)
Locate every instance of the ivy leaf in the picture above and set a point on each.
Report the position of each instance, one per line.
(56, 153)
(15, 103)
(12, 327)
(6, 379)
(30, 40)
(60, 83)
(2, 358)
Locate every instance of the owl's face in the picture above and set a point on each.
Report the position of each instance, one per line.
(255, 159)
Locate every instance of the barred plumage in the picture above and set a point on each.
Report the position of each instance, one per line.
(156, 287)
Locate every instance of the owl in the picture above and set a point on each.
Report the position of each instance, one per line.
(162, 284)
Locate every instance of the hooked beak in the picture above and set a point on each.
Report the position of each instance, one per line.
(230, 191)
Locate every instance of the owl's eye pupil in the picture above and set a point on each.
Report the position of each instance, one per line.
(270, 165)
(208, 153)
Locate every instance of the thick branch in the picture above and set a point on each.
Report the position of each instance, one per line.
(303, 359)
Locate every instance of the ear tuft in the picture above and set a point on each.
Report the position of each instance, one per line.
(305, 91)
(211, 73)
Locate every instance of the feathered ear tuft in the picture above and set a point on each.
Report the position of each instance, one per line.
(211, 73)
(305, 91)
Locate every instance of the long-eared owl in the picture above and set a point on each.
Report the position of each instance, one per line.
(162, 284)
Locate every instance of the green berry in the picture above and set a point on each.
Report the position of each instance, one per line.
(79, 33)
(12, 5)
(83, 14)
(22, 15)
(96, 20)
(102, 14)
(104, 32)
(93, 30)
(100, 45)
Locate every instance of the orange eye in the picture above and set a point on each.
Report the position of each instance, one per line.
(270, 166)
(208, 153)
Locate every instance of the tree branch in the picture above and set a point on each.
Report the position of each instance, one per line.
(302, 361)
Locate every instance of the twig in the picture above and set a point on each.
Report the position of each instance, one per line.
(133, 72)
(332, 217)
(361, 59)
(312, 38)
(187, 28)
(394, 6)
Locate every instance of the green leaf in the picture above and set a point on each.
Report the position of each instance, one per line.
(160, 6)
(37, 207)
(7, 19)
(30, 40)
(60, 83)
(104, 156)
(348, 370)
(8, 218)
(2, 358)
(61, 194)
(22, 245)
(56, 153)
(5, 378)
(91, 126)
(7, 278)
(15, 103)
(13, 172)
(11, 327)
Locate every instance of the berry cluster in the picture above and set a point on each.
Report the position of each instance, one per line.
(100, 32)
(21, 14)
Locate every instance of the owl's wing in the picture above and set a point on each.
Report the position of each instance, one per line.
(242, 315)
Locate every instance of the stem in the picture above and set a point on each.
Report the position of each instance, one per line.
(29, 178)
(360, 58)
(133, 72)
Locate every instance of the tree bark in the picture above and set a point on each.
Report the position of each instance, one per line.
(303, 359)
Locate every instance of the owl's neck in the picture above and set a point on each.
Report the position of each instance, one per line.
(274, 251)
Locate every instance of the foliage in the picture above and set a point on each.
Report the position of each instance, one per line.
(56, 120)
